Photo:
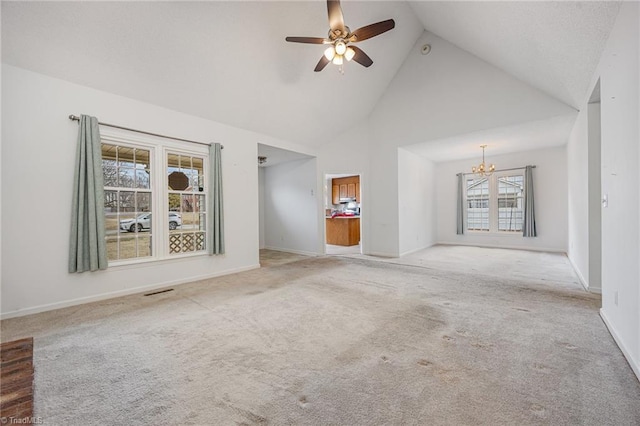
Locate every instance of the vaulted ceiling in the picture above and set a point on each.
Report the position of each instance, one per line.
(228, 61)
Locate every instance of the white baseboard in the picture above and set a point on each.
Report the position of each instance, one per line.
(381, 254)
(578, 273)
(502, 246)
(584, 283)
(633, 363)
(119, 293)
(416, 250)
(287, 250)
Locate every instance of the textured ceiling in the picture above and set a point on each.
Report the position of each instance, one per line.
(554, 46)
(228, 61)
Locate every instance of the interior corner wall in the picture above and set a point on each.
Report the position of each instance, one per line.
(595, 197)
(619, 73)
(578, 197)
(291, 207)
(38, 154)
(382, 208)
(416, 202)
(550, 189)
(261, 224)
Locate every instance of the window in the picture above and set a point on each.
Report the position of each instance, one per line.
(510, 199)
(186, 202)
(135, 194)
(495, 203)
(478, 204)
(127, 201)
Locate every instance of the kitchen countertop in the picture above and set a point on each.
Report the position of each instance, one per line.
(342, 217)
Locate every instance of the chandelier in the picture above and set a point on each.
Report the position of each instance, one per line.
(482, 170)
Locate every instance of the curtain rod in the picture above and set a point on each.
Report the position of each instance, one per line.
(501, 170)
(76, 118)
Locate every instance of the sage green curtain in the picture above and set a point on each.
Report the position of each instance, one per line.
(529, 222)
(460, 205)
(88, 247)
(216, 208)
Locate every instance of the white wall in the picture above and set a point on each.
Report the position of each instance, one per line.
(595, 188)
(550, 189)
(619, 73)
(291, 203)
(578, 196)
(261, 223)
(37, 172)
(416, 202)
(452, 92)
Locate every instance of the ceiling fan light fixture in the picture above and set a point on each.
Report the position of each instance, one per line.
(349, 54)
(330, 53)
(340, 38)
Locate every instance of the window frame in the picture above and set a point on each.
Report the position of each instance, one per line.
(493, 206)
(159, 149)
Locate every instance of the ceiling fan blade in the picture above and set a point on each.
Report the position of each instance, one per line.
(373, 30)
(336, 19)
(361, 57)
(322, 63)
(310, 40)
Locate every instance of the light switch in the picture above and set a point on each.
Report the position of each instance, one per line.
(605, 201)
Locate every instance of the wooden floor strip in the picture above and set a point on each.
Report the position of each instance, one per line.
(16, 381)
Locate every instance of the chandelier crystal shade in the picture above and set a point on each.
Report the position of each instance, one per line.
(482, 169)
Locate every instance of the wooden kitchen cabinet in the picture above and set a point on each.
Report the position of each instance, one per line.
(343, 231)
(348, 187)
(351, 190)
(343, 190)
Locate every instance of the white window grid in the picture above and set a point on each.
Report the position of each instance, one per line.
(494, 204)
(128, 195)
(190, 203)
(477, 202)
(159, 226)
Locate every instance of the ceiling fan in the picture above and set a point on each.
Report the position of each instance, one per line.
(341, 39)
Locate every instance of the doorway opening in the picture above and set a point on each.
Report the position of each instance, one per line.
(343, 214)
(288, 204)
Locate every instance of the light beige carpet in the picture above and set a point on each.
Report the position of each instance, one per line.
(335, 340)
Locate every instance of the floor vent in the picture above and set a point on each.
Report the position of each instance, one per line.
(158, 292)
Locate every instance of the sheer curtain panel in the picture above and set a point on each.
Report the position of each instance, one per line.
(460, 203)
(216, 208)
(529, 222)
(88, 247)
